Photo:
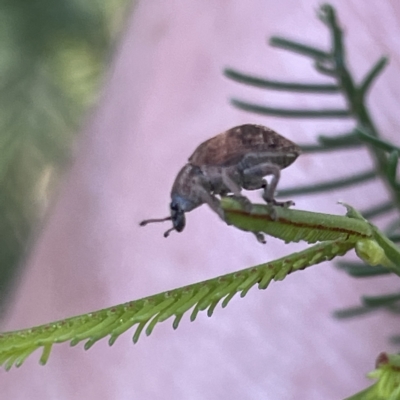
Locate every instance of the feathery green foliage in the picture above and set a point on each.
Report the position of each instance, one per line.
(52, 58)
(333, 64)
(145, 313)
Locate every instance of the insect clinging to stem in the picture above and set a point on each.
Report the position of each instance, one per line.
(236, 159)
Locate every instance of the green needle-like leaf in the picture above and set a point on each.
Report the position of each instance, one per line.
(380, 301)
(277, 85)
(352, 312)
(330, 143)
(378, 143)
(296, 47)
(347, 139)
(372, 75)
(378, 210)
(289, 113)
(315, 148)
(331, 185)
(361, 270)
(391, 170)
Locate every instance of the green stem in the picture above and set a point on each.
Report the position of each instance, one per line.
(355, 96)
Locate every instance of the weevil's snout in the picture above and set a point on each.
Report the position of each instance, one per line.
(178, 218)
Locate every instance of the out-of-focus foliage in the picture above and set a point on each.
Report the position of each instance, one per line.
(52, 57)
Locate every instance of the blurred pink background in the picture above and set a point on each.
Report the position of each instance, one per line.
(165, 94)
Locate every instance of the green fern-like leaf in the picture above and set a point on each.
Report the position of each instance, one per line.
(145, 313)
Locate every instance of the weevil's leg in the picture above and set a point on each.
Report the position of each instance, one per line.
(207, 197)
(269, 190)
(260, 237)
(255, 184)
(229, 182)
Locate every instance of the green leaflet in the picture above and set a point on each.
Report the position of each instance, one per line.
(16, 346)
(294, 225)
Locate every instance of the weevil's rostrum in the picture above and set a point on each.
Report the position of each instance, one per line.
(224, 165)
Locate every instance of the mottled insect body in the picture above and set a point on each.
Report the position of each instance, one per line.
(234, 160)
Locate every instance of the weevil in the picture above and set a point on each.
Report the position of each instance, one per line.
(236, 159)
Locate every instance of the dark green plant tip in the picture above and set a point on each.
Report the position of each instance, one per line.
(151, 326)
(227, 299)
(213, 305)
(138, 331)
(89, 344)
(45, 354)
(327, 15)
(176, 321)
(194, 314)
(112, 340)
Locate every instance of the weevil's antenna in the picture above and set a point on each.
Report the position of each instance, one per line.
(166, 233)
(149, 221)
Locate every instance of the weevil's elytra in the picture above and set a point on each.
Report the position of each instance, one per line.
(230, 147)
(234, 160)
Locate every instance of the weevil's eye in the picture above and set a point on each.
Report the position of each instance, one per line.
(177, 216)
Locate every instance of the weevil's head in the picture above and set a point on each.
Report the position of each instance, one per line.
(177, 216)
(184, 198)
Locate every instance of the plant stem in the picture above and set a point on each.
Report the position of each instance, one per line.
(355, 96)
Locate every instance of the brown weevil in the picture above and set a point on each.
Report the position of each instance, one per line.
(224, 165)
